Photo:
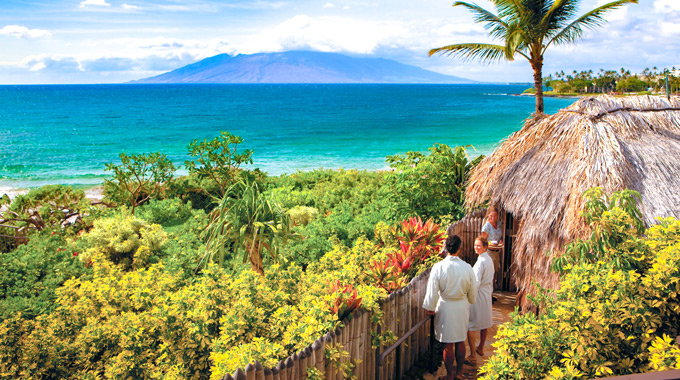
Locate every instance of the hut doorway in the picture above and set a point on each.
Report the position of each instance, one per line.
(470, 227)
(507, 279)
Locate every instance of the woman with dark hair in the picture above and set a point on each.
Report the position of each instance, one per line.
(480, 312)
(451, 289)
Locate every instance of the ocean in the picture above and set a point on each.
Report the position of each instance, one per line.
(67, 133)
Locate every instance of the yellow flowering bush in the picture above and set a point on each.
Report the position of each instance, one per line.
(619, 293)
(125, 240)
(136, 318)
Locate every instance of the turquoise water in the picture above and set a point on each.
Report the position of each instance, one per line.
(65, 134)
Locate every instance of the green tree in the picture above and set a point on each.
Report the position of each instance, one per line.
(431, 186)
(249, 223)
(138, 178)
(631, 84)
(50, 205)
(527, 28)
(217, 159)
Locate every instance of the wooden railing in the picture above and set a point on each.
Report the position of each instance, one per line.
(11, 237)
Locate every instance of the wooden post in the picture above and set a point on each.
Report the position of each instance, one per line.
(295, 363)
(259, 371)
(250, 372)
(339, 339)
(276, 371)
(239, 374)
(319, 356)
(356, 334)
(227, 377)
(268, 374)
(308, 362)
(281, 370)
(330, 370)
(289, 368)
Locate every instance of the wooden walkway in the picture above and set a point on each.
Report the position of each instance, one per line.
(502, 307)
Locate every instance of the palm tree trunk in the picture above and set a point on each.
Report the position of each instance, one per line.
(537, 66)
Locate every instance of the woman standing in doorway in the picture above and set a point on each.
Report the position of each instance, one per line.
(492, 231)
(480, 311)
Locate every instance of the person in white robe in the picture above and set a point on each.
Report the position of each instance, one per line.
(451, 289)
(480, 312)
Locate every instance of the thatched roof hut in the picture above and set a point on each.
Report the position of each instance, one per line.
(540, 172)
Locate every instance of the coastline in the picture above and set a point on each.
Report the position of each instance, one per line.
(92, 192)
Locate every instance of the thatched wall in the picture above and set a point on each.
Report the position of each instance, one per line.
(540, 172)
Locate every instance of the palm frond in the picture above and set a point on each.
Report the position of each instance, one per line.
(493, 23)
(472, 51)
(590, 20)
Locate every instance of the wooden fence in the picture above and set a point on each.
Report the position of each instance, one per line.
(401, 311)
(11, 237)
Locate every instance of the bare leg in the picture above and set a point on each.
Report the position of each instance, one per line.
(471, 343)
(448, 360)
(482, 340)
(460, 357)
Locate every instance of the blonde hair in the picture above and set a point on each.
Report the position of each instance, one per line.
(482, 240)
(490, 210)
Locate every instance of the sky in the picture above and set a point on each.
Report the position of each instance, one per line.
(114, 41)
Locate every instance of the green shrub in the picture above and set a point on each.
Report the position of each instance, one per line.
(126, 241)
(303, 215)
(30, 274)
(165, 212)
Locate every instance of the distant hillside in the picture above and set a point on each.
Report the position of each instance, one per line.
(300, 67)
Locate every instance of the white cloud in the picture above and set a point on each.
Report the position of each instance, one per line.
(328, 34)
(129, 7)
(23, 32)
(101, 3)
(329, 5)
(663, 6)
(38, 66)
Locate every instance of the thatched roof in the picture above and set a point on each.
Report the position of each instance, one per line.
(540, 172)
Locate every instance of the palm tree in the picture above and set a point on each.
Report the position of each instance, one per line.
(528, 28)
(248, 223)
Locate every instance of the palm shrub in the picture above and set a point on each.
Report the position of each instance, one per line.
(248, 223)
(619, 294)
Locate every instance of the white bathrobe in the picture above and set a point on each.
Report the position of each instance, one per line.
(451, 289)
(480, 312)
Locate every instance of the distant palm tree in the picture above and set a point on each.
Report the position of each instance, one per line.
(528, 28)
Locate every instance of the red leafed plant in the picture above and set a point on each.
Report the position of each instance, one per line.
(417, 241)
(383, 272)
(425, 236)
(346, 299)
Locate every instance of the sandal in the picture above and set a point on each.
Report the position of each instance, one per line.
(479, 353)
(472, 362)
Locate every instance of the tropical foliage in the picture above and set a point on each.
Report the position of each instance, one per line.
(123, 295)
(608, 81)
(47, 206)
(138, 178)
(618, 302)
(526, 28)
(218, 160)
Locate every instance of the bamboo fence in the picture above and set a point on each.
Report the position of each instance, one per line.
(401, 311)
